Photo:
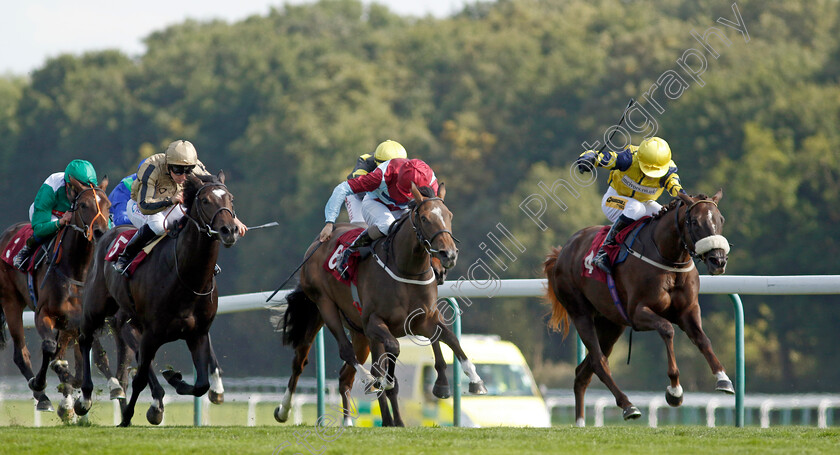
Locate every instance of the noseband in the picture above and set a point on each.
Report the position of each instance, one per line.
(87, 231)
(704, 245)
(418, 229)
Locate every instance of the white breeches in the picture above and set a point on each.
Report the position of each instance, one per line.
(158, 221)
(354, 208)
(377, 214)
(613, 205)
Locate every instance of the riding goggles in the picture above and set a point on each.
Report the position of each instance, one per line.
(180, 170)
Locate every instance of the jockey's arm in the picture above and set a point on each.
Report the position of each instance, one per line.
(147, 200)
(42, 223)
(672, 184)
(341, 191)
(608, 159)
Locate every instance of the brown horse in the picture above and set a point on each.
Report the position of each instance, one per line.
(171, 296)
(655, 294)
(391, 307)
(57, 286)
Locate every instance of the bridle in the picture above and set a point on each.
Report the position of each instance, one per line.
(705, 244)
(87, 231)
(418, 229)
(204, 226)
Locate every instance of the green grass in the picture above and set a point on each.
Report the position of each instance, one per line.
(562, 440)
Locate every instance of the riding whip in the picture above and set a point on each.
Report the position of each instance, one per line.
(293, 273)
(272, 224)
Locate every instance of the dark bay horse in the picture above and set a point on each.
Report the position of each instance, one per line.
(57, 286)
(654, 297)
(172, 295)
(391, 308)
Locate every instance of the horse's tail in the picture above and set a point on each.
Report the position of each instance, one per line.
(559, 320)
(2, 328)
(297, 318)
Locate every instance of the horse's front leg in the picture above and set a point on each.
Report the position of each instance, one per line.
(148, 348)
(216, 394)
(346, 376)
(441, 387)
(432, 327)
(201, 360)
(330, 314)
(691, 325)
(45, 325)
(645, 319)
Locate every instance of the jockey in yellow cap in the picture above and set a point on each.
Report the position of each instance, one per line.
(366, 164)
(638, 176)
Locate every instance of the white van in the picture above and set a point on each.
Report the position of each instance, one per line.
(512, 398)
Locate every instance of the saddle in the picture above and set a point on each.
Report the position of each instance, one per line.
(331, 264)
(17, 242)
(118, 246)
(618, 253)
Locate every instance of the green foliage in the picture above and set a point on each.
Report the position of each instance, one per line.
(497, 98)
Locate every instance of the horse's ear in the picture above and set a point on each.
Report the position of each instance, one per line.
(103, 183)
(221, 176)
(441, 191)
(73, 188)
(416, 193)
(685, 198)
(718, 196)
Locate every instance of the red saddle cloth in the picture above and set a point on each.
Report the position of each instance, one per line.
(331, 264)
(16, 244)
(592, 271)
(118, 246)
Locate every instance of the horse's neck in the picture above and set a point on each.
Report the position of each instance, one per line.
(76, 254)
(413, 259)
(196, 248)
(667, 239)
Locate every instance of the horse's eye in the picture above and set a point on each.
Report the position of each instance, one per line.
(83, 205)
(424, 219)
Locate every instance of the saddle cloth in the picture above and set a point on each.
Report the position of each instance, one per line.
(16, 243)
(331, 264)
(118, 246)
(630, 232)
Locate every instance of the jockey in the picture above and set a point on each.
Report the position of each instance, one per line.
(119, 198)
(387, 192)
(49, 212)
(367, 163)
(157, 196)
(638, 175)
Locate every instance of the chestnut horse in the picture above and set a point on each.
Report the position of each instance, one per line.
(391, 307)
(57, 286)
(172, 295)
(655, 294)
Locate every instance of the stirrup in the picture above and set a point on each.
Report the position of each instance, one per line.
(602, 261)
(22, 258)
(122, 264)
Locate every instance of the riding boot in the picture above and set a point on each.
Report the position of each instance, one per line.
(22, 258)
(140, 239)
(602, 259)
(364, 239)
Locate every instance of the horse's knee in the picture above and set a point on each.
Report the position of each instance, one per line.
(201, 389)
(49, 346)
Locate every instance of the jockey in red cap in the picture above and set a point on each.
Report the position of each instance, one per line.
(387, 192)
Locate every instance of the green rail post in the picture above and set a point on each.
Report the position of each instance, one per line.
(740, 368)
(456, 366)
(581, 350)
(197, 408)
(320, 374)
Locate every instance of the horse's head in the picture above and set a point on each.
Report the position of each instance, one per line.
(702, 231)
(431, 219)
(210, 204)
(89, 205)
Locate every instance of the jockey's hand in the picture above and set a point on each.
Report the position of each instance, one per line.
(326, 233)
(586, 162)
(241, 229)
(178, 199)
(65, 219)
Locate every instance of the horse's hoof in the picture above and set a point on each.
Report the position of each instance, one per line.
(125, 424)
(59, 366)
(33, 387)
(441, 391)
(477, 388)
(44, 404)
(172, 377)
(154, 415)
(631, 412)
(216, 398)
(725, 386)
(373, 388)
(81, 406)
(279, 415)
(672, 400)
(118, 394)
(347, 422)
(65, 414)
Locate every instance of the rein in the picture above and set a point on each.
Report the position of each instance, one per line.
(87, 231)
(204, 229)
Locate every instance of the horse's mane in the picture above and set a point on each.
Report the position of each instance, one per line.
(425, 191)
(675, 203)
(193, 184)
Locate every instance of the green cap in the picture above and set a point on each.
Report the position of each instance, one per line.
(82, 171)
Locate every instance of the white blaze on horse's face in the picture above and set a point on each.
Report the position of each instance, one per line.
(437, 211)
(219, 192)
